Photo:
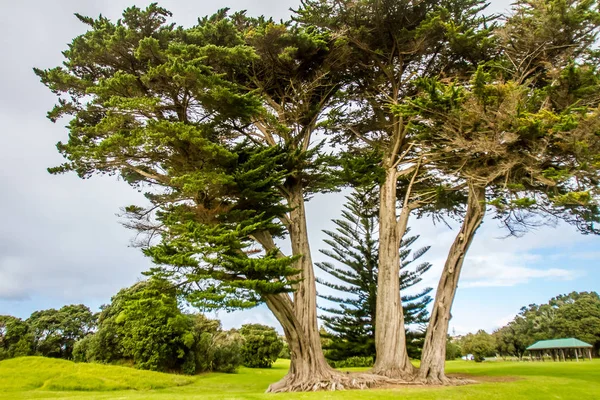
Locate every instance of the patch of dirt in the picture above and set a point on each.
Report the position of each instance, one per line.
(457, 380)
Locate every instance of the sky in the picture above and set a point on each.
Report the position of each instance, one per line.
(60, 237)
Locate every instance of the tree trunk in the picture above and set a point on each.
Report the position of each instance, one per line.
(434, 349)
(309, 370)
(390, 337)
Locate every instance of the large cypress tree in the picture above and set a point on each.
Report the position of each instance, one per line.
(354, 248)
(394, 44)
(521, 135)
(217, 122)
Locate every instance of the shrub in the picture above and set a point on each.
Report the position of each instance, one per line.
(81, 348)
(353, 362)
(285, 351)
(261, 346)
(453, 350)
(227, 355)
(481, 345)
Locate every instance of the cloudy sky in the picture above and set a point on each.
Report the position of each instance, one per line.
(61, 243)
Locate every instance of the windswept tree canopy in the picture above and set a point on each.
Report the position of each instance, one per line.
(215, 122)
(525, 126)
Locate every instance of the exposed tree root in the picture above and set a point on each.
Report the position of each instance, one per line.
(444, 380)
(333, 381)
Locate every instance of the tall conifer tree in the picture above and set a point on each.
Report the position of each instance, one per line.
(217, 120)
(394, 43)
(353, 247)
(521, 135)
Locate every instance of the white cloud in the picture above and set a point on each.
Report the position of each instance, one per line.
(510, 276)
(588, 255)
(258, 315)
(494, 261)
(487, 271)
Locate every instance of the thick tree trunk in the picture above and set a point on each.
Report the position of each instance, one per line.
(308, 369)
(305, 295)
(434, 349)
(390, 336)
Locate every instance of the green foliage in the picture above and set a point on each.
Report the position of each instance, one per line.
(453, 349)
(353, 362)
(151, 328)
(227, 351)
(536, 95)
(81, 349)
(56, 331)
(480, 344)
(145, 326)
(285, 350)
(576, 315)
(354, 246)
(262, 345)
(16, 338)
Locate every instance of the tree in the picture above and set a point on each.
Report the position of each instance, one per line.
(520, 136)
(513, 339)
(392, 44)
(480, 344)
(56, 331)
(218, 120)
(576, 314)
(453, 349)
(262, 345)
(152, 330)
(16, 339)
(353, 245)
(145, 325)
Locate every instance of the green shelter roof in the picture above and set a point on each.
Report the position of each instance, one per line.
(558, 344)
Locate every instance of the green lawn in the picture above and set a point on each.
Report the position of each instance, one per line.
(40, 378)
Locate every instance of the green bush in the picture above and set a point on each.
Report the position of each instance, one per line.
(262, 345)
(227, 356)
(285, 351)
(480, 344)
(353, 362)
(81, 349)
(211, 348)
(453, 350)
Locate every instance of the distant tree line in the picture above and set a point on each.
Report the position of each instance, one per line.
(573, 315)
(143, 326)
(576, 315)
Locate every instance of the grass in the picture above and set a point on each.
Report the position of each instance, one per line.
(40, 378)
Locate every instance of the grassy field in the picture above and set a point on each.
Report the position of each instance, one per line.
(40, 378)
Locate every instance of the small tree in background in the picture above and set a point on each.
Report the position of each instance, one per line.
(480, 344)
(354, 246)
(56, 331)
(262, 345)
(453, 350)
